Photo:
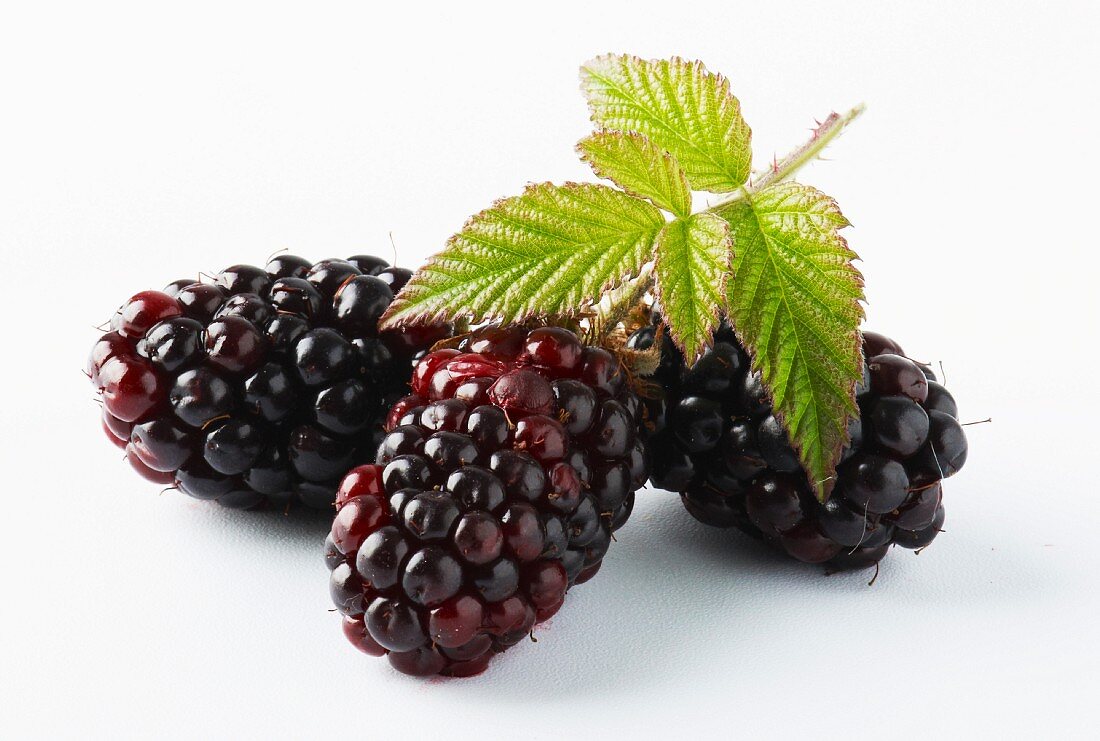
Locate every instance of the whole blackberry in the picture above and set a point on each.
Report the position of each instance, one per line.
(497, 486)
(732, 463)
(264, 386)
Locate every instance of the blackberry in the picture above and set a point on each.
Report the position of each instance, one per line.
(264, 386)
(497, 486)
(733, 465)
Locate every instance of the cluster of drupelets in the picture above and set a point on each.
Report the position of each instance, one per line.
(729, 457)
(475, 484)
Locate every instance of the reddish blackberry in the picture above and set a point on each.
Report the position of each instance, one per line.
(263, 386)
(731, 461)
(497, 486)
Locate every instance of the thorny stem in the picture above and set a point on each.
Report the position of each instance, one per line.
(780, 170)
(823, 135)
(615, 305)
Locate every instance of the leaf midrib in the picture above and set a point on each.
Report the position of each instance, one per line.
(701, 153)
(799, 351)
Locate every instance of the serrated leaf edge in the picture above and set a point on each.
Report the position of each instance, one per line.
(398, 315)
(714, 315)
(824, 487)
(723, 85)
(682, 211)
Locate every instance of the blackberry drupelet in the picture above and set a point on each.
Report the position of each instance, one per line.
(264, 386)
(731, 461)
(497, 486)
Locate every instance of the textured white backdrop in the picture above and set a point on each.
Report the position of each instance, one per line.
(144, 142)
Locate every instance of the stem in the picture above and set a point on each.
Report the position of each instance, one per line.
(823, 135)
(780, 170)
(616, 304)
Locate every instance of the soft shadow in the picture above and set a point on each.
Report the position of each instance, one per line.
(298, 531)
(676, 598)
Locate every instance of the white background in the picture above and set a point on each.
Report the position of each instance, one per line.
(146, 142)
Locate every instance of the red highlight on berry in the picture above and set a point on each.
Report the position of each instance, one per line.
(502, 478)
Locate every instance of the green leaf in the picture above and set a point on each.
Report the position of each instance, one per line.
(551, 251)
(693, 258)
(639, 167)
(682, 108)
(794, 297)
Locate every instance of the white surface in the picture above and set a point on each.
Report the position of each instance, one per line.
(139, 144)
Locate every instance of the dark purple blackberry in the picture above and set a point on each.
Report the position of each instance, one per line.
(733, 465)
(265, 386)
(497, 487)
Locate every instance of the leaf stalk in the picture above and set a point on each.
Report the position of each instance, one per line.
(823, 135)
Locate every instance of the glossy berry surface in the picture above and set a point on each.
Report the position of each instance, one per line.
(496, 487)
(264, 386)
(732, 462)
(138, 315)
